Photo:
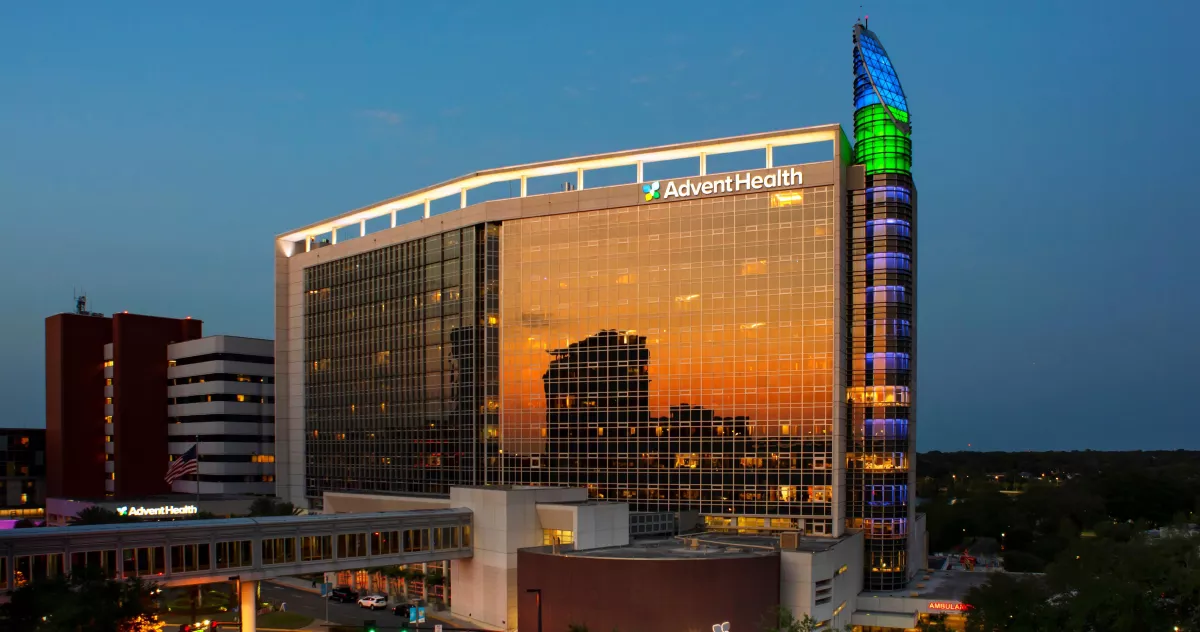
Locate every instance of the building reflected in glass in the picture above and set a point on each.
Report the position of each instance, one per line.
(677, 354)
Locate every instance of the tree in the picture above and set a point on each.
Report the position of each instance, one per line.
(1022, 562)
(88, 600)
(98, 515)
(1011, 602)
(24, 523)
(271, 506)
(1098, 585)
(781, 619)
(142, 623)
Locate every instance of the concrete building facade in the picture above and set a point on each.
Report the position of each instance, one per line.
(221, 398)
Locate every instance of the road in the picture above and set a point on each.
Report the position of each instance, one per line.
(313, 605)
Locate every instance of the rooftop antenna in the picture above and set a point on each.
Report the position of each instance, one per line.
(81, 304)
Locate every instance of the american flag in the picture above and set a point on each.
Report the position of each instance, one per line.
(182, 466)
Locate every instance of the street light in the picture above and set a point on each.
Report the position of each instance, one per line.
(538, 594)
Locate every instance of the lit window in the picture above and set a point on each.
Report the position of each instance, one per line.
(108, 400)
(787, 198)
(241, 398)
(24, 498)
(549, 536)
(820, 493)
(108, 381)
(687, 460)
(108, 364)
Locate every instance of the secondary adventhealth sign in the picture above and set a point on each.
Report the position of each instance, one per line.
(168, 510)
(734, 183)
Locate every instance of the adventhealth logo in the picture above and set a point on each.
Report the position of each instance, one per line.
(169, 510)
(790, 177)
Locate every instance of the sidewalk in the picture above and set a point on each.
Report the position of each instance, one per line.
(297, 583)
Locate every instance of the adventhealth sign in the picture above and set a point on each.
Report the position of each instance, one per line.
(169, 510)
(735, 183)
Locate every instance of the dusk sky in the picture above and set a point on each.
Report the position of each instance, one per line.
(150, 152)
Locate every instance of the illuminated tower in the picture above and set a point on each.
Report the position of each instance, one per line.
(881, 451)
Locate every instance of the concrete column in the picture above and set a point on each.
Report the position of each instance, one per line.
(462, 199)
(703, 164)
(524, 186)
(393, 219)
(639, 171)
(362, 228)
(333, 236)
(249, 606)
(308, 244)
(770, 157)
(425, 582)
(426, 209)
(579, 179)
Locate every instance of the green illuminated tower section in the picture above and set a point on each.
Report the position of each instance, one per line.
(881, 435)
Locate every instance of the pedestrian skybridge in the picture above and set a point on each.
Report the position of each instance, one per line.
(200, 551)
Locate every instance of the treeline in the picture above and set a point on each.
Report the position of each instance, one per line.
(1032, 506)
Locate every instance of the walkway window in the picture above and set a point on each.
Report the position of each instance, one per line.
(416, 540)
(186, 558)
(352, 545)
(142, 561)
(316, 547)
(385, 543)
(235, 554)
(278, 551)
(466, 536)
(445, 538)
(22, 570)
(52, 565)
(105, 562)
(37, 567)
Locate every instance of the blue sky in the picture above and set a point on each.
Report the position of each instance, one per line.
(151, 151)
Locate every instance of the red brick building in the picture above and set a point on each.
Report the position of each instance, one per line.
(634, 588)
(106, 393)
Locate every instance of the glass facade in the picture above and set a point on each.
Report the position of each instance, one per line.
(677, 355)
(751, 356)
(881, 125)
(881, 450)
(401, 372)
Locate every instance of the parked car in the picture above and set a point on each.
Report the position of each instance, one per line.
(343, 594)
(401, 610)
(373, 602)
